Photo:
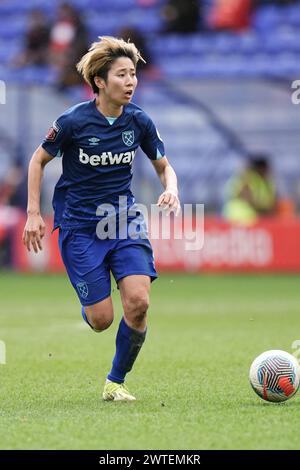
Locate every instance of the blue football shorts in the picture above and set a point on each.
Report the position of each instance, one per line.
(89, 261)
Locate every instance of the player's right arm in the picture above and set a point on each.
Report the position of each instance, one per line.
(34, 229)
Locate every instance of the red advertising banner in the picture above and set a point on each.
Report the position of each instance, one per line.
(273, 245)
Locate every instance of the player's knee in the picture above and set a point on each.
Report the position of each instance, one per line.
(100, 323)
(138, 304)
(100, 316)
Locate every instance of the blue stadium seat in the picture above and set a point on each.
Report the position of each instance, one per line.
(118, 5)
(249, 43)
(102, 25)
(281, 42)
(221, 54)
(267, 18)
(291, 15)
(12, 7)
(33, 74)
(10, 50)
(199, 43)
(13, 27)
(170, 44)
(147, 21)
(226, 42)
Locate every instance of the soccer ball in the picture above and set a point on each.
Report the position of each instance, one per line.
(275, 375)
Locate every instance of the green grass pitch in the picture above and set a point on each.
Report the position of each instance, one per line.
(190, 380)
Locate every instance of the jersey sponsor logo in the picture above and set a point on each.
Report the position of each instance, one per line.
(128, 138)
(106, 158)
(53, 131)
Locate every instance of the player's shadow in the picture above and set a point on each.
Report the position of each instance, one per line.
(257, 404)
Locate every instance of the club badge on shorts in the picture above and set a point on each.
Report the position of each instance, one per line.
(83, 289)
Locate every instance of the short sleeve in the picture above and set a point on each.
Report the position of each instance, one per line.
(58, 136)
(152, 144)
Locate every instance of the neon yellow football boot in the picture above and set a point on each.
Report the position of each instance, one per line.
(116, 392)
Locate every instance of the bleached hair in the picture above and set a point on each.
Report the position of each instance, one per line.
(98, 60)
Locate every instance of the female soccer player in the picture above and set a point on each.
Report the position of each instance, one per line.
(97, 141)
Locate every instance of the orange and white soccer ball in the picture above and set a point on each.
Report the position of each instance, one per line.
(275, 375)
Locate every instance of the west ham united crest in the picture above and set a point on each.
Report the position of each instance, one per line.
(128, 138)
(82, 289)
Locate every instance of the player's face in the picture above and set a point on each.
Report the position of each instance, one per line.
(121, 81)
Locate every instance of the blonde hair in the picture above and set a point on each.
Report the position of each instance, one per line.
(98, 60)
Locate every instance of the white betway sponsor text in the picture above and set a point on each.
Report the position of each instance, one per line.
(106, 158)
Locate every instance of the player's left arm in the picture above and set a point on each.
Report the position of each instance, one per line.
(169, 198)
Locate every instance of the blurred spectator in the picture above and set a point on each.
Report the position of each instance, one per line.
(252, 193)
(232, 15)
(182, 16)
(11, 188)
(135, 36)
(36, 41)
(12, 173)
(68, 42)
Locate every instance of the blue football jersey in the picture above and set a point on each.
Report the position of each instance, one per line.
(97, 159)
